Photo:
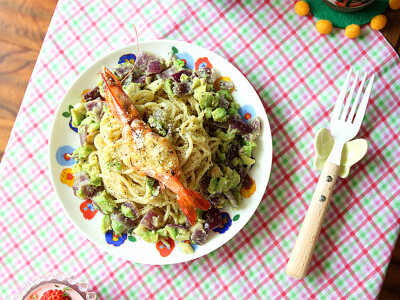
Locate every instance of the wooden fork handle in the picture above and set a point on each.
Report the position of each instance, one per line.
(303, 249)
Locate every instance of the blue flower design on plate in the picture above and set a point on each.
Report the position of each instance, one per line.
(226, 223)
(115, 240)
(127, 58)
(187, 58)
(72, 127)
(64, 156)
(247, 112)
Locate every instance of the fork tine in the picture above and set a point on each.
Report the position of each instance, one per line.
(357, 99)
(339, 102)
(349, 98)
(363, 104)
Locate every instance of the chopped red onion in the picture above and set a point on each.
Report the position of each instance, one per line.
(93, 94)
(198, 237)
(212, 218)
(154, 67)
(152, 220)
(177, 76)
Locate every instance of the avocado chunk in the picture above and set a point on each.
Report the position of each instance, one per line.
(179, 64)
(106, 223)
(78, 114)
(83, 151)
(226, 94)
(117, 227)
(228, 181)
(158, 126)
(131, 89)
(219, 115)
(104, 201)
(248, 161)
(129, 210)
(172, 232)
(182, 234)
(93, 170)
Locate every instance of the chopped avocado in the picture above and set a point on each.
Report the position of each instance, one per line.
(78, 114)
(236, 162)
(227, 95)
(80, 193)
(182, 219)
(77, 167)
(185, 247)
(213, 185)
(147, 80)
(232, 111)
(113, 165)
(178, 64)
(235, 105)
(182, 234)
(219, 115)
(162, 232)
(228, 181)
(88, 120)
(205, 99)
(83, 151)
(246, 160)
(93, 127)
(199, 90)
(208, 112)
(151, 186)
(156, 86)
(158, 125)
(221, 156)
(140, 230)
(106, 223)
(93, 169)
(237, 196)
(117, 227)
(131, 89)
(105, 202)
(184, 77)
(172, 232)
(150, 236)
(127, 212)
(168, 88)
(195, 83)
(225, 137)
(235, 179)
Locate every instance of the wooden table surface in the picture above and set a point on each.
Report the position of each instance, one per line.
(23, 25)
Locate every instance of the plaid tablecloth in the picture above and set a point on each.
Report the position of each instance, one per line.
(297, 73)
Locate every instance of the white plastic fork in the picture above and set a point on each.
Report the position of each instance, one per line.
(344, 127)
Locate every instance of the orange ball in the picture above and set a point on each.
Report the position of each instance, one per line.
(394, 4)
(302, 8)
(378, 22)
(324, 26)
(352, 31)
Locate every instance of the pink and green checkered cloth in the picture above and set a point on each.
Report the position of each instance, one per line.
(297, 73)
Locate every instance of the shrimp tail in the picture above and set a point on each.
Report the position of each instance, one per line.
(187, 209)
(188, 199)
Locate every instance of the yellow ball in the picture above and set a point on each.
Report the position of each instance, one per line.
(302, 8)
(394, 4)
(352, 31)
(378, 22)
(324, 26)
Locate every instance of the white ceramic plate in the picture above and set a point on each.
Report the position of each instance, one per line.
(64, 140)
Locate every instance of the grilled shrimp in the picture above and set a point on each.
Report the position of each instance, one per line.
(146, 152)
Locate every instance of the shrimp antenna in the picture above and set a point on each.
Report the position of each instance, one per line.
(137, 54)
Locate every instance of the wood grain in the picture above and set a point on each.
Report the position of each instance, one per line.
(303, 249)
(23, 25)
